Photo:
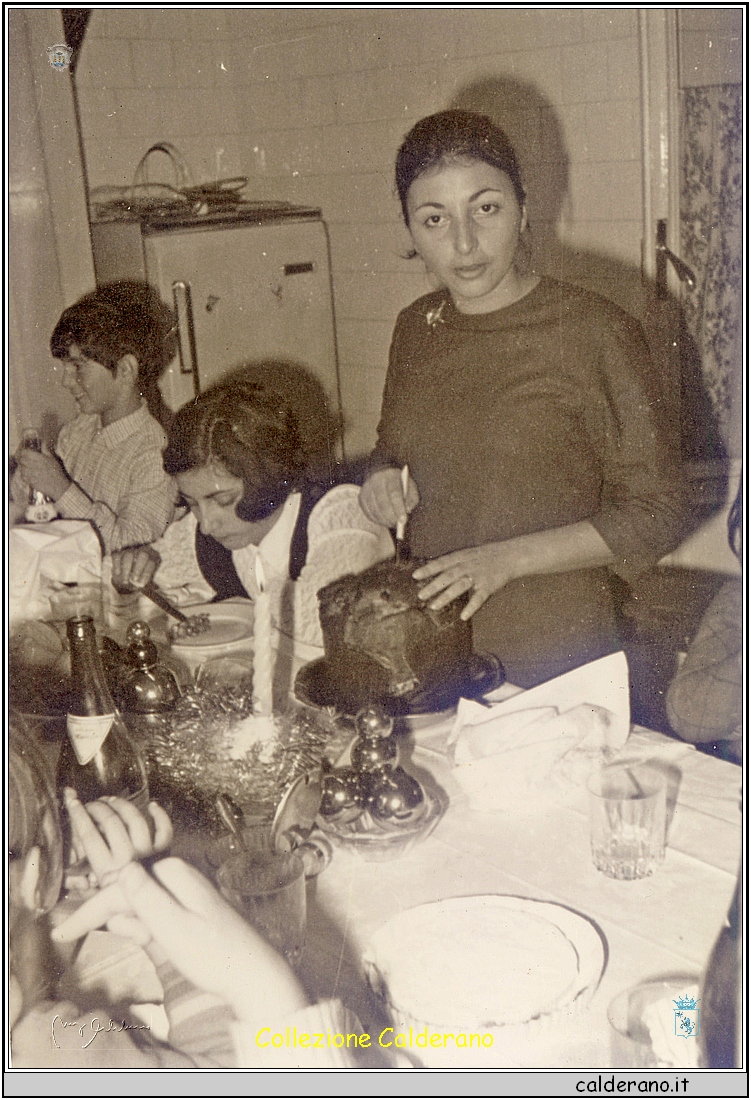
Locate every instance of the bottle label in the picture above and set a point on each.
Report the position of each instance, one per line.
(88, 733)
(40, 510)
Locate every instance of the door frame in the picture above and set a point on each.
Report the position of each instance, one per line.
(658, 62)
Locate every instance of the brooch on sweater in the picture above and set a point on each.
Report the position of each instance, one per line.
(433, 316)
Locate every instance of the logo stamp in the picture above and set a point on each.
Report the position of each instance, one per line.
(59, 57)
(686, 1021)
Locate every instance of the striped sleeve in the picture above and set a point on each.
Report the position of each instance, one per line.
(142, 515)
(200, 1023)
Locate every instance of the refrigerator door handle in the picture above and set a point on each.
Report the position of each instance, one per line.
(186, 333)
(299, 269)
(663, 254)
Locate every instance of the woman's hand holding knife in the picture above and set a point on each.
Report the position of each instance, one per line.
(388, 496)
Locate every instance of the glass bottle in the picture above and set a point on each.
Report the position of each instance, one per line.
(40, 509)
(98, 757)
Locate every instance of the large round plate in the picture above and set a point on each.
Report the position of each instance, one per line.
(231, 630)
(491, 961)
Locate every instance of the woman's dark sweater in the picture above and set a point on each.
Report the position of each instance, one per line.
(535, 416)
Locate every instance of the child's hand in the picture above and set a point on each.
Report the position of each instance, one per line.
(45, 472)
(134, 567)
(203, 936)
(112, 831)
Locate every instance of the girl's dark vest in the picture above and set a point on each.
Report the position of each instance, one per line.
(216, 563)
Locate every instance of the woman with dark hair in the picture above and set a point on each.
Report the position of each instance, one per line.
(252, 459)
(114, 344)
(524, 409)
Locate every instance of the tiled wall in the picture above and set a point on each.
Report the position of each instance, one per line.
(311, 105)
(710, 46)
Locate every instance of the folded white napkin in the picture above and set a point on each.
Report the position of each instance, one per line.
(43, 556)
(543, 741)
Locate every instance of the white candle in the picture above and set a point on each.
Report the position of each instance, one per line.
(263, 667)
(401, 524)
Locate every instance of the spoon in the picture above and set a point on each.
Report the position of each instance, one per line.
(297, 810)
(233, 818)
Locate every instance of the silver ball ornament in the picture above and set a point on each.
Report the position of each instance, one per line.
(340, 800)
(395, 797)
(373, 721)
(371, 753)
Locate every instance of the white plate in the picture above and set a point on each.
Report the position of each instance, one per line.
(493, 962)
(232, 633)
(231, 629)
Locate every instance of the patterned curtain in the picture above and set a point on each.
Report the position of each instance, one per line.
(711, 235)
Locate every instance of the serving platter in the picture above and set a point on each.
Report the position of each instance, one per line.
(512, 967)
(317, 685)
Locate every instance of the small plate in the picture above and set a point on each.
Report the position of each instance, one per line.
(231, 631)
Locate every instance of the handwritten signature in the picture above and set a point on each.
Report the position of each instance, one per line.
(96, 1026)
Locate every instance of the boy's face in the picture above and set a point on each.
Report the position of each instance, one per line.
(95, 389)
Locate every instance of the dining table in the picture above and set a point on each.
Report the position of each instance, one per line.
(662, 925)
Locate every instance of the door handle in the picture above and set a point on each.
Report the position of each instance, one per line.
(299, 269)
(186, 333)
(663, 254)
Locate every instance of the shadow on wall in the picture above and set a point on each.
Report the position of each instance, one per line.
(531, 123)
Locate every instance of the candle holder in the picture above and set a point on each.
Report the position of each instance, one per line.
(374, 807)
(212, 744)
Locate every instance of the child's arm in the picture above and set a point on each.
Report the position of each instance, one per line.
(171, 562)
(143, 511)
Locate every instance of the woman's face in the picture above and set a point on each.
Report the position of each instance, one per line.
(212, 494)
(465, 221)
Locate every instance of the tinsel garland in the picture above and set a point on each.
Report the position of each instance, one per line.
(188, 752)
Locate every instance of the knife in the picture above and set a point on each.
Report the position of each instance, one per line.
(158, 597)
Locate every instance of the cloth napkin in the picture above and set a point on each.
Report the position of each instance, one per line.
(543, 742)
(44, 556)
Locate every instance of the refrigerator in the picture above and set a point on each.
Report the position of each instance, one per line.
(249, 283)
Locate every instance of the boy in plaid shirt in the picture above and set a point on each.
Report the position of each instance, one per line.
(107, 468)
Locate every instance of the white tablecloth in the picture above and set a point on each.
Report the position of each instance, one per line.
(665, 924)
(662, 925)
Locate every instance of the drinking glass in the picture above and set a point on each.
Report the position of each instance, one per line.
(627, 820)
(77, 601)
(268, 889)
(643, 1034)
